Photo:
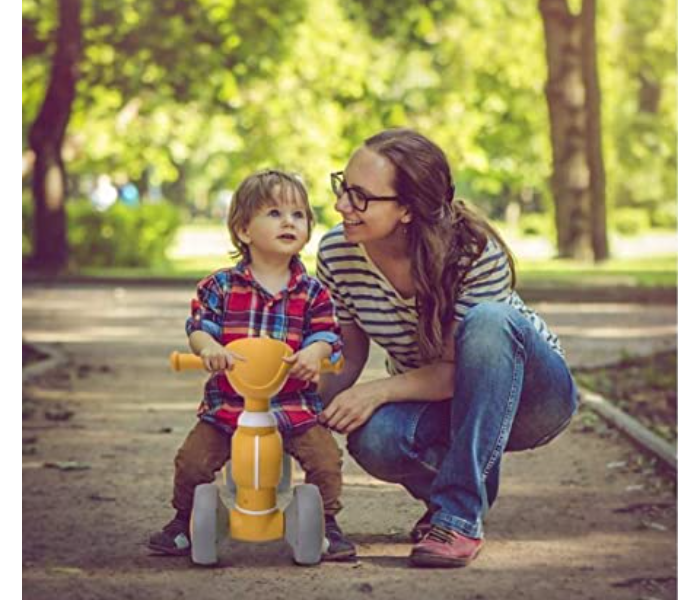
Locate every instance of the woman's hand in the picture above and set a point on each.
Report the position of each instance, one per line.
(352, 408)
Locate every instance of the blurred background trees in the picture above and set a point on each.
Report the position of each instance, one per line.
(165, 105)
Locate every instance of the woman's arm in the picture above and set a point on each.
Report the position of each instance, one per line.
(435, 382)
(355, 352)
(431, 382)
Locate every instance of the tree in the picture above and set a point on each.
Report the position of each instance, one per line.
(573, 99)
(641, 107)
(154, 58)
(46, 140)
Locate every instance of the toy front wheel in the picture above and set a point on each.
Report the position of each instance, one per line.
(207, 511)
(304, 525)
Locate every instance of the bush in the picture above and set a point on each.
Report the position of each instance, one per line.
(665, 215)
(630, 221)
(121, 236)
(537, 224)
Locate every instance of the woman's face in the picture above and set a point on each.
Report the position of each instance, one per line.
(373, 174)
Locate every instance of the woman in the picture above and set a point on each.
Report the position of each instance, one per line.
(472, 372)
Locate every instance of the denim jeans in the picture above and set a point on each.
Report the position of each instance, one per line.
(512, 392)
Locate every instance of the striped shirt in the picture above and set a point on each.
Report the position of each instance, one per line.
(231, 305)
(363, 296)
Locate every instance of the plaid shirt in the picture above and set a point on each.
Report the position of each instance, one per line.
(231, 304)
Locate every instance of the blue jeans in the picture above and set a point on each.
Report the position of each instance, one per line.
(512, 392)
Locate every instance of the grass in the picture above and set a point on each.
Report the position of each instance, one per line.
(656, 272)
(185, 268)
(649, 273)
(659, 271)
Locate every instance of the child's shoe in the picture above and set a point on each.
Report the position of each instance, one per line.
(174, 539)
(339, 547)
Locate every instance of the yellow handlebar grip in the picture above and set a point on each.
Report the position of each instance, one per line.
(327, 367)
(180, 361)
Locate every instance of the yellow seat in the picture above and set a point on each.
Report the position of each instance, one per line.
(263, 373)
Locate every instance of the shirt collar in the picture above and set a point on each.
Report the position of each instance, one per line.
(298, 275)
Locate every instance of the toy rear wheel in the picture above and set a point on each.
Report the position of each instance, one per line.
(304, 525)
(287, 473)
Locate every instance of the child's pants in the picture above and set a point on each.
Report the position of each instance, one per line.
(207, 449)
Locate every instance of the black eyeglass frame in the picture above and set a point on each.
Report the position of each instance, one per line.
(342, 187)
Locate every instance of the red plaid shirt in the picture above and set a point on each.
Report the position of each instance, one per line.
(231, 304)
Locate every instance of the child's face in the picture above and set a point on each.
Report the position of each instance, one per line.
(278, 228)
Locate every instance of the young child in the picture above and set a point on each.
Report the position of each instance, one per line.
(266, 294)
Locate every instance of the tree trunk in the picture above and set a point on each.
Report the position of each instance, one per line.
(573, 99)
(594, 144)
(46, 140)
(31, 43)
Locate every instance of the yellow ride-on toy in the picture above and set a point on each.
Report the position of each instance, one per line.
(256, 465)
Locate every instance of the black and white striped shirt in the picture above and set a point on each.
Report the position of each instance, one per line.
(365, 297)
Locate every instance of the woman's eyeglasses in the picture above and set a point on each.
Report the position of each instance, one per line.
(357, 197)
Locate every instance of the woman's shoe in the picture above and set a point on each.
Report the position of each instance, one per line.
(443, 547)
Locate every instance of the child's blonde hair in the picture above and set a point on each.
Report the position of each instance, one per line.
(261, 189)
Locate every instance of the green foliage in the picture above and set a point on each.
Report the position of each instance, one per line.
(638, 58)
(629, 221)
(665, 215)
(122, 235)
(538, 225)
(193, 95)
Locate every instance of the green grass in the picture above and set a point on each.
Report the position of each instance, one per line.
(649, 273)
(186, 269)
(661, 271)
(191, 268)
(656, 272)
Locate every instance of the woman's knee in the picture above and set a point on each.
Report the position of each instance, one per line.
(487, 326)
(487, 317)
(378, 448)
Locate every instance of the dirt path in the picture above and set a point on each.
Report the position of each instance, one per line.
(581, 518)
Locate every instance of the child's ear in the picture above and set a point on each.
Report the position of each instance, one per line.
(242, 234)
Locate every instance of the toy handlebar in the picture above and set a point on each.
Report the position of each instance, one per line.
(182, 361)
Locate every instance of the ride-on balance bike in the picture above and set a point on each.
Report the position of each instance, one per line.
(256, 465)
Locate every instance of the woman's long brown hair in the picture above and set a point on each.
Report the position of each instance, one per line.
(445, 235)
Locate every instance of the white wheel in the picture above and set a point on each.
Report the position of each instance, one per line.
(203, 527)
(304, 526)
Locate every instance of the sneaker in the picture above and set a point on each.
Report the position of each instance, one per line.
(174, 539)
(339, 547)
(422, 527)
(445, 548)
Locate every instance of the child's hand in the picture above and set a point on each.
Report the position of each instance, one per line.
(217, 358)
(306, 364)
